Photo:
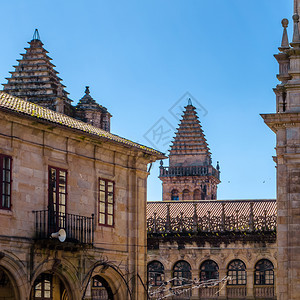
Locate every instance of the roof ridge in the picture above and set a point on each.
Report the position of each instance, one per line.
(18, 105)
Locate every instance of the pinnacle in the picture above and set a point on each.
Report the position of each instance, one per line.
(36, 35)
(285, 39)
(296, 35)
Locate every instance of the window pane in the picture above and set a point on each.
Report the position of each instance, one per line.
(102, 196)
(109, 220)
(7, 202)
(38, 293)
(110, 209)
(110, 187)
(102, 207)
(62, 199)
(6, 163)
(110, 198)
(47, 294)
(102, 219)
(47, 285)
(102, 185)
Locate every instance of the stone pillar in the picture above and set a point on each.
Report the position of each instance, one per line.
(195, 275)
(250, 283)
(222, 274)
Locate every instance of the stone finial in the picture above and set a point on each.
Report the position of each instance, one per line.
(190, 101)
(161, 163)
(285, 40)
(36, 35)
(87, 90)
(218, 166)
(296, 36)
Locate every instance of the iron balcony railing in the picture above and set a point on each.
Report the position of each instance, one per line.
(189, 171)
(79, 229)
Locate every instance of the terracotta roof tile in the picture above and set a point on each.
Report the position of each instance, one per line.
(18, 105)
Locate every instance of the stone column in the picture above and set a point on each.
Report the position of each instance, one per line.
(222, 274)
(250, 283)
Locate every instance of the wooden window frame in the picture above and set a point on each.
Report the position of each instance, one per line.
(3, 156)
(105, 213)
(57, 193)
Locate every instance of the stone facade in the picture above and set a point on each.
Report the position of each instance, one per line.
(285, 123)
(95, 257)
(250, 253)
(223, 249)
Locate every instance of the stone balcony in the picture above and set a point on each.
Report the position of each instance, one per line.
(189, 171)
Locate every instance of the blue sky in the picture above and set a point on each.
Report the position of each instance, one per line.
(141, 58)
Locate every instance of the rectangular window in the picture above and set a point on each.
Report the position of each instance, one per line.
(57, 198)
(5, 163)
(106, 202)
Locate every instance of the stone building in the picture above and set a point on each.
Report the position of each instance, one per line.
(72, 214)
(238, 249)
(195, 242)
(285, 123)
(73, 195)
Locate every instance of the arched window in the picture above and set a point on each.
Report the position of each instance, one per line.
(197, 194)
(156, 273)
(182, 273)
(43, 287)
(209, 270)
(186, 194)
(101, 289)
(237, 272)
(264, 273)
(174, 195)
(48, 287)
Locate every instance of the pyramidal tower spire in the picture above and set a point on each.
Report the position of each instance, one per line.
(190, 175)
(189, 146)
(35, 79)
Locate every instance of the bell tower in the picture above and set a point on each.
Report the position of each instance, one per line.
(190, 175)
(285, 123)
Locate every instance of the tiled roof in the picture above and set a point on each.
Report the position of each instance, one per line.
(17, 105)
(214, 207)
